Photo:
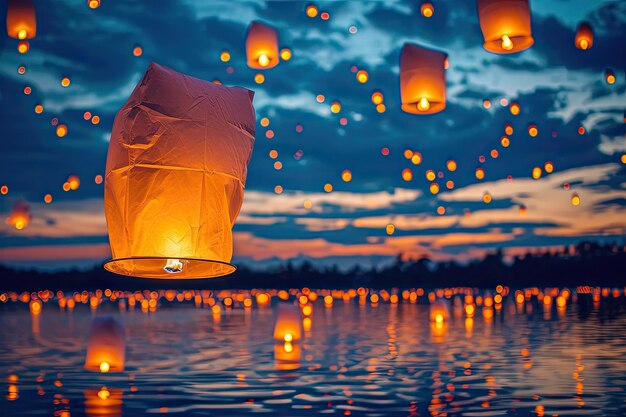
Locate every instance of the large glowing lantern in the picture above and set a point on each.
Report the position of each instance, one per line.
(21, 21)
(106, 347)
(584, 36)
(422, 79)
(175, 176)
(262, 46)
(288, 326)
(505, 25)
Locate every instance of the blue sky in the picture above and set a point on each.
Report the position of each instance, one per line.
(558, 87)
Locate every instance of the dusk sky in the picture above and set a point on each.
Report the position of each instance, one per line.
(560, 89)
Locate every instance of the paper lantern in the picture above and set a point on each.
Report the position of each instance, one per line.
(439, 311)
(106, 346)
(288, 326)
(584, 36)
(262, 46)
(20, 215)
(103, 402)
(422, 80)
(21, 21)
(175, 176)
(505, 25)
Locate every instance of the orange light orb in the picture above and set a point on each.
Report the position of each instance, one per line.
(320, 98)
(548, 167)
(285, 54)
(451, 165)
(87, 115)
(259, 78)
(225, 56)
(441, 210)
(609, 76)
(137, 51)
(93, 4)
(390, 229)
(273, 154)
(514, 109)
(61, 130)
(346, 176)
(95, 120)
(449, 184)
(381, 108)
(434, 188)
(508, 129)
(38, 109)
(74, 182)
(23, 47)
(265, 122)
(328, 188)
(335, 107)
(278, 189)
(4, 190)
(575, 199)
(377, 97)
(486, 104)
(486, 198)
(480, 173)
(98, 179)
(407, 174)
(408, 154)
(47, 198)
(494, 153)
(278, 165)
(427, 9)
(269, 134)
(536, 173)
(416, 159)
(65, 81)
(362, 76)
(533, 131)
(311, 10)
(581, 130)
(430, 175)
(505, 142)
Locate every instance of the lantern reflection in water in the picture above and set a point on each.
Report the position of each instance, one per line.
(103, 402)
(505, 25)
(288, 326)
(175, 175)
(106, 348)
(287, 356)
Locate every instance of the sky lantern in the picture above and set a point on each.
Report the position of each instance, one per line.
(20, 215)
(335, 107)
(422, 80)
(106, 348)
(514, 108)
(536, 173)
(609, 75)
(285, 54)
(390, 229)
(532, 130)
(584, 36)
(407, 174)
(262, 46)
(508, 129)
(575, 199)
(288, 326)
(74, 182)
(175, 176)
(21, 20)
(23, 47)
(427, 9)
(487, 197)
(480, 173)
(505, 25)
(439, 311)
(430, 175)
(311, 10)
(451, 165)
(346, 176)
(93, 4)
(377, 97)
(362, 76)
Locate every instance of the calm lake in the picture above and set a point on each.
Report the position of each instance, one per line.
(200, 356)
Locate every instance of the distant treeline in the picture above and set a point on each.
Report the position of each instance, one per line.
(587, 263)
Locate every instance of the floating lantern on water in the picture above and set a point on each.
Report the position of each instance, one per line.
(505, 25)
(21, 20)
(427, 9)
(106, 348)
(175, 176)
(261, 46)
(584, 36)
(390, 229)
(422, 80)
(20, 215)
(103, 402)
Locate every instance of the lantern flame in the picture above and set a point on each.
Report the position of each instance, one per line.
(584, 44)
(263, 60)
(22, 34)
(173, 266)
(423, 104)
(104, 367)
(507, 43)
(104, 393)
(288, 337)
(288, 347)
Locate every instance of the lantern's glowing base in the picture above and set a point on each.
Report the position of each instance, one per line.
(423, 105)
(508, 44)
(169, 268)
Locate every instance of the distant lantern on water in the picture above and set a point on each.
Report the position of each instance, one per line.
(422, 80)
(106, 348)
(584, 36)
(439, 311)
(262, 46)
(175, 176)
(288, 326)
(505, 25)
(21, 21)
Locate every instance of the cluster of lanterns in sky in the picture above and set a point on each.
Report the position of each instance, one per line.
(172, 214)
